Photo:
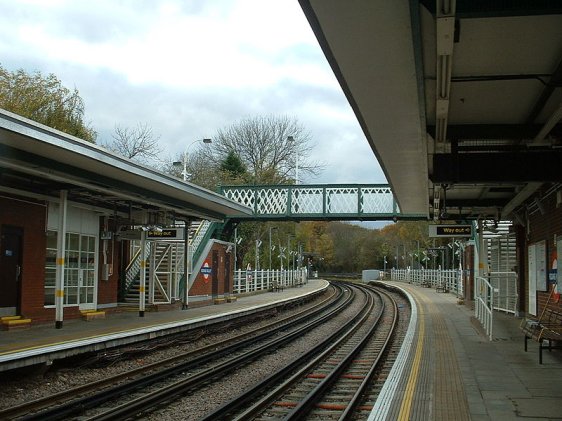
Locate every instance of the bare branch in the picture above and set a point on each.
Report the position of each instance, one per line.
(138, 143)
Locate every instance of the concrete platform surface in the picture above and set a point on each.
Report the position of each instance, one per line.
(463, 375)
(44, 343)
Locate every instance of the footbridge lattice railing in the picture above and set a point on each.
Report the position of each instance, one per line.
(321, 201)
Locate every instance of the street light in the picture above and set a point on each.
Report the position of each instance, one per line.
(184, 161)
(258, 245)
(237, 241)
(270, 246)
(292, 140)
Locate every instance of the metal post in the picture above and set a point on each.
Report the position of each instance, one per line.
(419, 264)
(235, 244)
(186, 254)
(142, 286)
(453, 254)
(258, 244)
(270, 246)
(61, 252)
(482, 258)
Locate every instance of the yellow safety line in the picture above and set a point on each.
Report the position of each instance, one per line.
(406, 405)
(74, 339)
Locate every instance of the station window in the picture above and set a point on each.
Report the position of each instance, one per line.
(79, 282)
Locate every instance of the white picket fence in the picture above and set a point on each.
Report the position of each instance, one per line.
(446, 279)
(496, 291)
(252, 280)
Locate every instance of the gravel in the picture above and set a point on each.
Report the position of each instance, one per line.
(28, 384)
(201, 402)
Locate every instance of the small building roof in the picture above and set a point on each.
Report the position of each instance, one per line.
(41, 161)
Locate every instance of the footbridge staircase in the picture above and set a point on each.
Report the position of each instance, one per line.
(352, 202)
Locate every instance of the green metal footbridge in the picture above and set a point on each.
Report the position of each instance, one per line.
(329, 202)
(333, 202)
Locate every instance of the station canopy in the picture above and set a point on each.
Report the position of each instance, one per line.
(460, 101)
(38, 162)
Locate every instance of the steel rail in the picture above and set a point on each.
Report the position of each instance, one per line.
(67, 399)
(280, 381)
(316, 396)
(358, 396)
(167, 393)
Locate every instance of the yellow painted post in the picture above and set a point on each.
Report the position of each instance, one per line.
(142, 286)
(61, 252)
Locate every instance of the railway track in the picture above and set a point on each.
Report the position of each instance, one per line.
(336, 384)
(76, 401)
(334, 380)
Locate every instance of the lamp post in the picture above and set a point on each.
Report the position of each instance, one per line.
(270, 247)
(184, 160)
(258, 245)
(237, 241)
(292, 140)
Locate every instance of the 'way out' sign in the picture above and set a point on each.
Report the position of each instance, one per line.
(450, 231)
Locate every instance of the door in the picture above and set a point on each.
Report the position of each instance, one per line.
(11, 240)
(215, 275)
(79, 284)
(227, 289)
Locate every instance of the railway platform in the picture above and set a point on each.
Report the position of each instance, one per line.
(449, 370)
(44, 344)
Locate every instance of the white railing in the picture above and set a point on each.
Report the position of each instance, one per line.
(484, 297)
(318, 200)
(200, 234)
(505, 291)
(496, 291)
(263, 280)
(446, 279)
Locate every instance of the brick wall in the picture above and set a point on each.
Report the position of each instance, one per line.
(203, 286)
(30, 215)
(543, 227)
(108, 290)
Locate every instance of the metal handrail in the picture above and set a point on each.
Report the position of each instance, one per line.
(483, 309)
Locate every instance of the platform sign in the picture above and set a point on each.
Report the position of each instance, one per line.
(458, 231)
(206, 270)
(165, 234)
(129, 235)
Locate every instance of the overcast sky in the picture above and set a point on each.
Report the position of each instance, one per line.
(189, 68)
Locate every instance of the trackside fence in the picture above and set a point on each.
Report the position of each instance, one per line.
(496, 291)
(258, 280)
(444, 279)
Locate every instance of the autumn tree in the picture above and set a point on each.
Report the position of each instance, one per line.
(45, 100)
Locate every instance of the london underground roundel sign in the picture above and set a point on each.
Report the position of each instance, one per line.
(206, 270)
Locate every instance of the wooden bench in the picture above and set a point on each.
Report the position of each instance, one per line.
(441, 287)
(547, 328)
(276, 286)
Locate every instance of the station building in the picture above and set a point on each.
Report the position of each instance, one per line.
(110, 212)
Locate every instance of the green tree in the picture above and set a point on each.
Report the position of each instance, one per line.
(45, 100)
(268, 147)
(233, 170)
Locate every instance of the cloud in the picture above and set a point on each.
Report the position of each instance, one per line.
(189, 68)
